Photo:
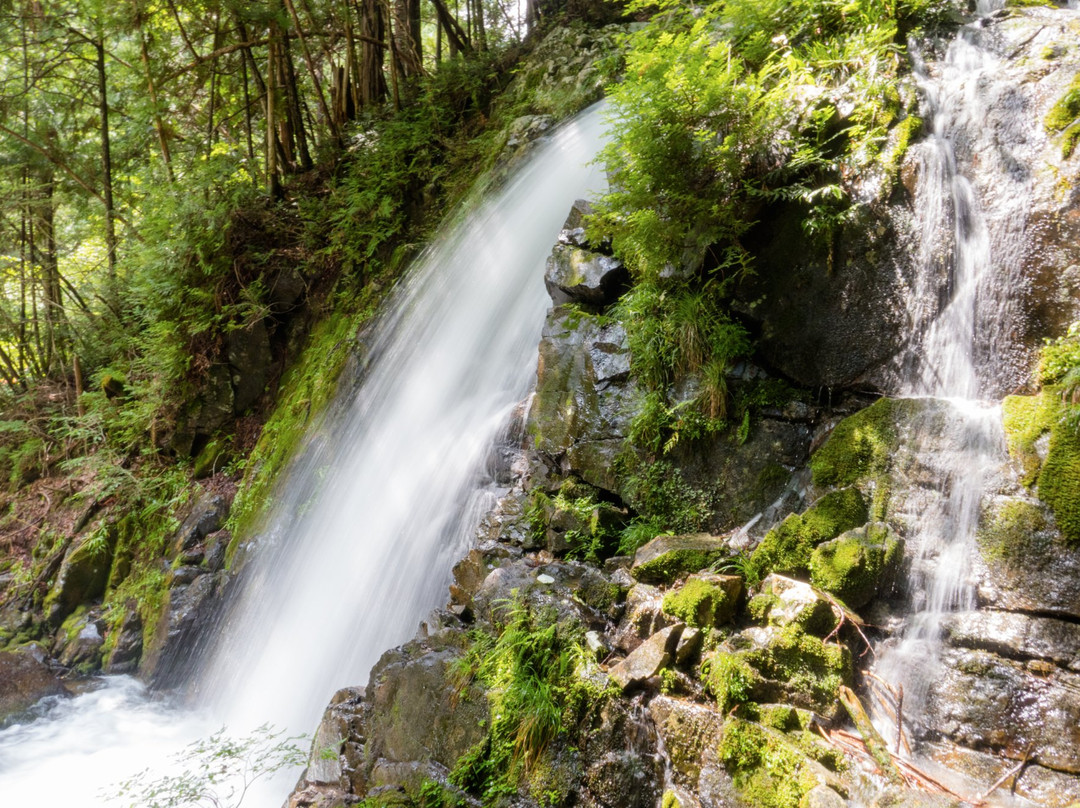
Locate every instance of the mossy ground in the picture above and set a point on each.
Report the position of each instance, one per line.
(700, 603)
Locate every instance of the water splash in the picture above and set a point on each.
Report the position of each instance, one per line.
(360, 543)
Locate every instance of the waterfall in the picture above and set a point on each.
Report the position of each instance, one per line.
(359, 544)
(959, 313)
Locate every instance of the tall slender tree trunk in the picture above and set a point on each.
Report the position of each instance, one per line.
(273, 182)
(106, 169)
(407, 38)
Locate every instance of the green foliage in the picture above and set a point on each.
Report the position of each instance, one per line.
(217, 771)
(660, 496)
(638, 533)
(538, 691)
(787, 548)
(769, 771)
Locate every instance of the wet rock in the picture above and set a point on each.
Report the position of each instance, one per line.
(1016, 636)
(80, 641)
(1024, 564)
(982, 701)
(689, 644)
(573, 229)
(908, 798)
(648, 659)
(178, 633)
(127, 646)
(823, 797)
(1042, 786)
(690, 732)
(415, 713)
(596, 645)
(25, 679)
(666, 557)
(207, 515)
(574, 275)
(584, 404)
(643, 617)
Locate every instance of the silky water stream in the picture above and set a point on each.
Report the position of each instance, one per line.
(362, 536)
(960, 318)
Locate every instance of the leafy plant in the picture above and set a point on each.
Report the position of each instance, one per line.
(217, 771)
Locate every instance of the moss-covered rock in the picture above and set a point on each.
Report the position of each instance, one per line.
(783, 602)
(705, 601)
(1047, 448)
(769, 768)
(860, 445)
(666, 557)
(855, 565)
(780, 665)
(83, 575)
(787, 548)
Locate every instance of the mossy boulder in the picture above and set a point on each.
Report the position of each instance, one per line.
(666, 557)
(83, 575)
(860, 445)
(787, 548)
(772, 769)
(857, 564)
(783, 602)
(574, 275)
(705, 601)
(792, 667)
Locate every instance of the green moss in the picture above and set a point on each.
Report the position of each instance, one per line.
(768, 770)
(1007, 530)
(666, 568)
(669, 800)
(305, 391)
(1059, 480)
(904, 133)
(1069, 139)
(1063, 117)
(729, 678)
(700, 603)
(1026, 419)
(808, 670)
(786, 549)
(860, 446)
(852, 566)
(1030, 4)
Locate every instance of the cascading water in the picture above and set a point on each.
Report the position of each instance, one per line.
(959, 315)
(359, 544)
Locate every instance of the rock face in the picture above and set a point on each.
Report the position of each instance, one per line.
(24, 680)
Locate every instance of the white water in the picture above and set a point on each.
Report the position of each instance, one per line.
(360, 544)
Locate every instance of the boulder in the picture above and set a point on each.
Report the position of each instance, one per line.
(80, 642)
(666, 557)
(858, 564)
(705, 600)
(786, 602)
(690, 732)
(25, 679)
(82, 576)
(642, 617)
(208, 513)
(574, 275)
(127, 644)
(648, 659)
(179, 633)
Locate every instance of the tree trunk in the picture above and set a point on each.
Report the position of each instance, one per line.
(273, 182)
(159, 126)
(407, 43)
(331, 123)
(372, 30)
(106, 171)
(293, 109)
